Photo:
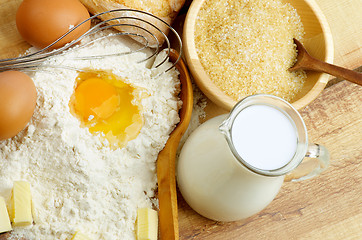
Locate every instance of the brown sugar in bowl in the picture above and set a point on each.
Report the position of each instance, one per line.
(317, 39)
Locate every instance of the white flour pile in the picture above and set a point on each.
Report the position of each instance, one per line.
(78, 184)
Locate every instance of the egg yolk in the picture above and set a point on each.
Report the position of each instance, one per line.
(107, 106)
(96, 98)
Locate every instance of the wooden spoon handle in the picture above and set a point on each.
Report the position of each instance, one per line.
(337, 71)
(167, 195)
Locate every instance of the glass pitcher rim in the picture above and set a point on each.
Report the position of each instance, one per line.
(302, 147)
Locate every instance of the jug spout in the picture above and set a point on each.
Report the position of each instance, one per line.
(224, 127)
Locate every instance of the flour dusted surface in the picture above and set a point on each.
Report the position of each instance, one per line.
(78, 182)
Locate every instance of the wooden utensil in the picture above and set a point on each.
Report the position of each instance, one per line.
(307, 62)
(167, 195)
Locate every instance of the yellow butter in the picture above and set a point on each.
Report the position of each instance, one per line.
(5, 225)
(147, 224)
(79, 236)
(20, 212)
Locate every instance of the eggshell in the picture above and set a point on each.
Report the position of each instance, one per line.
(41, 22)
(17, 102)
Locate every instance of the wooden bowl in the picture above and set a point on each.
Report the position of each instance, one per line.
(317, 40)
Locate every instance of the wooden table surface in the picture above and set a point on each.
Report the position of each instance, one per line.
(326, 207)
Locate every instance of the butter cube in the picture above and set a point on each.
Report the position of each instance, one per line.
(5, 225)
(20, 212)
(79, 236)
(147, 224)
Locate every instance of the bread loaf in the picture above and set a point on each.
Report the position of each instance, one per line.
(164, 9)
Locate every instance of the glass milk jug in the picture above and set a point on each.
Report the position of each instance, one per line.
(232, 166)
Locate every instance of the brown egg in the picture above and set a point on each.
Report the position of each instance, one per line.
(41, 22)
(17, 102)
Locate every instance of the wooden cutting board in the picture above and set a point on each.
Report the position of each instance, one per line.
(345, 20)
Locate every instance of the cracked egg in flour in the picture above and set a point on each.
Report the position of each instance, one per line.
(108, 106)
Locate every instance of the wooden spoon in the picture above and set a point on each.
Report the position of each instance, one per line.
(167, 195)
(307, 62)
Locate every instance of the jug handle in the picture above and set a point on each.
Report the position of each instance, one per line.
(319, 161)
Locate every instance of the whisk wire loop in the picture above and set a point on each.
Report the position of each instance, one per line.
(34, 60)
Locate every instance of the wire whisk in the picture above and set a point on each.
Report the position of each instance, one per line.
(132, 23)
